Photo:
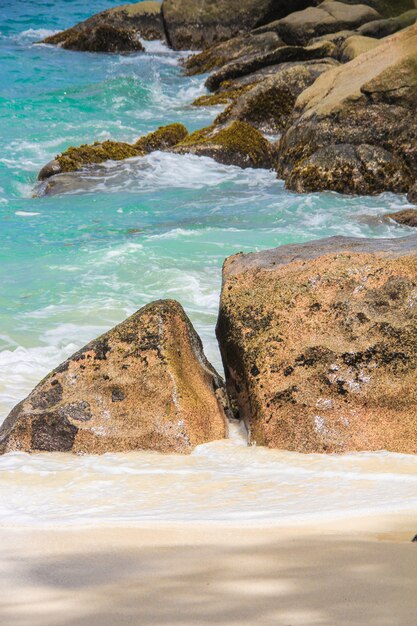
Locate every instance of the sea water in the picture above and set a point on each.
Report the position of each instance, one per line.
(73, 265)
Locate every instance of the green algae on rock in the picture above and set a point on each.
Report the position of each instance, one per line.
(74, 159)
(319, 344)
(114, 30)
(238, 144)
(144, 385)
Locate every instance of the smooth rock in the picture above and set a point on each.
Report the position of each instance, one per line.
(362, 170)
(319, 344)
(198, 24)
(387, 27)
(330, 16)
(144, 385)
(356, 45)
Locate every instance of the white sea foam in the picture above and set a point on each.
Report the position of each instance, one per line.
(36, 33)
(26, 213)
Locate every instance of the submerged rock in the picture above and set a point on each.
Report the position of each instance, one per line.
(238, 144)
(269, 104)
(74, 159)
(144, 385)
(114, 30)
(406, 217)
(363, 170)
(197, 24)
(370, 100)
(319, 344)
(412, 194)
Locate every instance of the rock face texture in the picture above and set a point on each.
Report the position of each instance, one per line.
(371, 100)
(319, 343)
(197, 24)
(412, 194)
(236, 144)
(362, 170)
(389, 26)
(145, 384)
(114, 30)
(406, 217)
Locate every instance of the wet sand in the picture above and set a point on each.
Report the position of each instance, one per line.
(361, 573)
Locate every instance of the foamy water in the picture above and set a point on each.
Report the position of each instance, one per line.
(222, 482)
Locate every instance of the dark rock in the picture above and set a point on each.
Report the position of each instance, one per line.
(167, 397)
(236, 144)
(412, 194)
(363, 170)
(331, 326)
(282, 54)
(371, 100)
(197, 24)
(406, 217)
(115, 30)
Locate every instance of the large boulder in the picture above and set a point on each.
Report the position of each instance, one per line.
(370, 100)
(389, 26)
(144, 385)
(114, 30)
(330, 16)
(251, 63)
(319, 344)
(269, 104)
(197, 24)
(237, 144)
(363, 170)
(76, 158)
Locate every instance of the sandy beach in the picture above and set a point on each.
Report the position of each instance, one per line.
(359, 573)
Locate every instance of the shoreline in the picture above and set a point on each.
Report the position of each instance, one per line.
(327, 575)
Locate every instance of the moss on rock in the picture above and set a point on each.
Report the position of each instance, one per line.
(237, 144)
(221, 97)
(163, 138)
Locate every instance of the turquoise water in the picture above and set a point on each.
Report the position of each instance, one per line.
(74, 265)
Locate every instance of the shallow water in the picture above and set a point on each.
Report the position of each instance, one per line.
(74, 265)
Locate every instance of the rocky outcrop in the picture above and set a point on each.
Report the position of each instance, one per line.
(370, 100)
(237, 144)
(282, 54)
(348, 169)
(298, 28)
(144, 385)
(406, 217)
(269, 104)
(387, 27)
(319, 343)
(115, 30)
(412, 194)
(74, 159)
(197, 24)
(387, 8)
(218, 55)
